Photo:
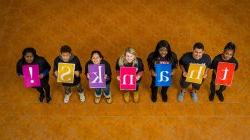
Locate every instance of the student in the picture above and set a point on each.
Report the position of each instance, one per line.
(67, 57)
(161, 55)
(198, 56)
(97, 58)
(30, 58)
(226, 56)
(130, 59)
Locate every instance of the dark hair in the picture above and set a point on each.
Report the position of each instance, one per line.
(65, 48)
(198, 45)
(163, 44)
(230, 46)
(98, 52)
(29, 50)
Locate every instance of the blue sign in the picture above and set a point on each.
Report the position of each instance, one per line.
(163, 75)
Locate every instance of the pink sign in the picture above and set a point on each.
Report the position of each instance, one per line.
(31, 76)
(127, 78)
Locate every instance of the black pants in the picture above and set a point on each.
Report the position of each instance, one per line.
(154, 89)
(45, 87)
(212, 85)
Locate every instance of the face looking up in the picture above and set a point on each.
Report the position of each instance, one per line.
(96, 59)
(163, 51)
(65, 56)
(227, 54)
(130, 57)
(197, 53)
(29, 57)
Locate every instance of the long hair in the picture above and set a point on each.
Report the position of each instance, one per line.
(163, 44)
(122, 59)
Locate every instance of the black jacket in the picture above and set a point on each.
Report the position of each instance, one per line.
(44, 67)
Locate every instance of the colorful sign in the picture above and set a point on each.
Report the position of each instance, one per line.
(96, 74)
(225, 73)
(163, 74)
(195, 73)
(127, 78)
(31, 76)
(65, 73)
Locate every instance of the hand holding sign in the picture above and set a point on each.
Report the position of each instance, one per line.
(77, 73)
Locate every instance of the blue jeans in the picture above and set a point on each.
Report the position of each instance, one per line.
(107, 94)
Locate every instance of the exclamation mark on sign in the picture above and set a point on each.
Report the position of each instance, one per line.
(31, 75)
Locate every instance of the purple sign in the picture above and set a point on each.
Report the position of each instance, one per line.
(96, 74)
(31, 76)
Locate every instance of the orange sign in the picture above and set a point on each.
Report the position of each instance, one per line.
(224, 74)
(195, 73)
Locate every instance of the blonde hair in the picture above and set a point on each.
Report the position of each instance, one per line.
(122, 59)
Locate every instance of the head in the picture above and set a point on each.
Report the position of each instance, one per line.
(29, 55)
(162, 49)
(96, 57)
(198, 50)
(65, 53)
(130, 55)
(229, 51)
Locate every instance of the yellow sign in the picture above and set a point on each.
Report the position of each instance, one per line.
(195, 73)
(66, 72)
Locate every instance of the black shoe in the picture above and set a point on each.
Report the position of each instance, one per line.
(48, 99)
(164, 97)
(153, 98)
(41, 98)
(211, 97)
(220, 96)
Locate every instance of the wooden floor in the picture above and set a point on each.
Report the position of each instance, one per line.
(110, 26)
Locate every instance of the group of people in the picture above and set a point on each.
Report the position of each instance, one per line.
(161, 55)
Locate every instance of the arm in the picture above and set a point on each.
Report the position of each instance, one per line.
(55, 68)
(78, 69)
(19, 70)
(46, 68)
(140, 69)
(184, 73)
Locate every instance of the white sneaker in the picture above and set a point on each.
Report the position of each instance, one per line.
(181, 96)
(82, 97)
(194, 97)
(66, 98)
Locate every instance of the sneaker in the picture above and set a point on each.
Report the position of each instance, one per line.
(109, 100)
(194, 96)
(136, 96)
(181, 96)
(164, 97)
(220, 96)
(48, 99)
(82, 97)
(97, 100)
(126, 97)
(66, 98)
(211, 97)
